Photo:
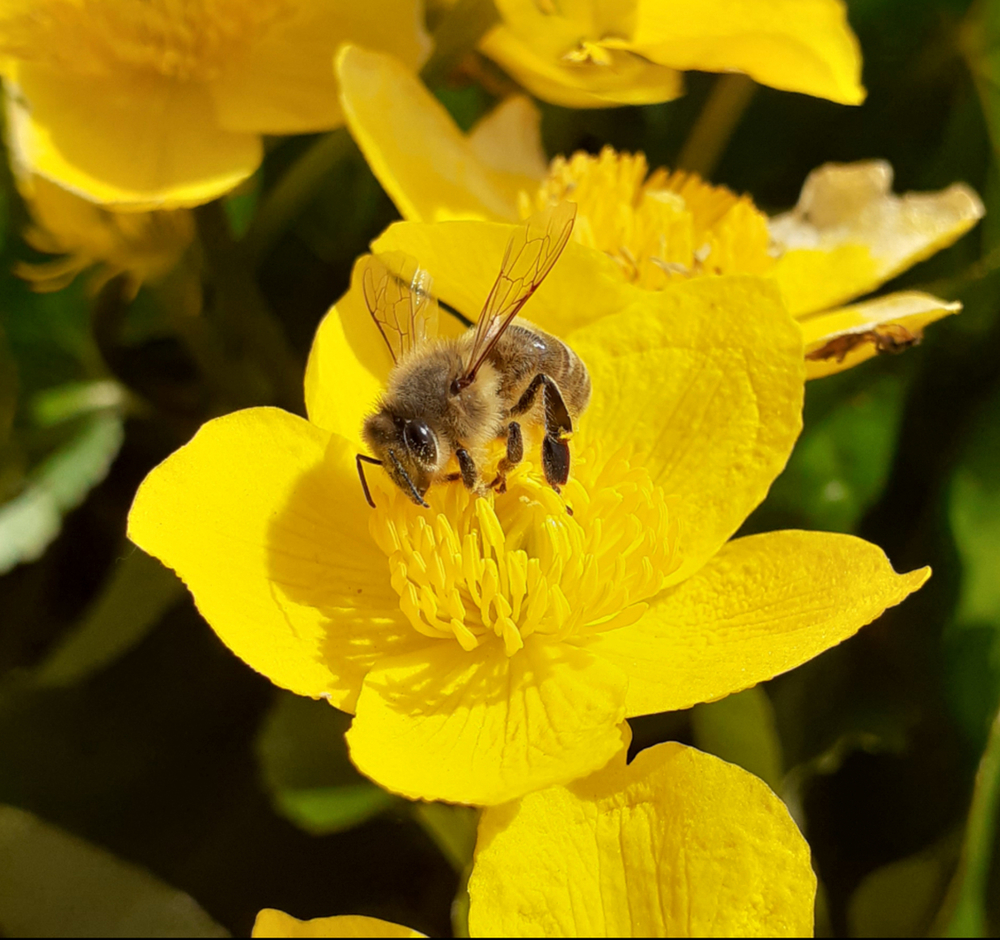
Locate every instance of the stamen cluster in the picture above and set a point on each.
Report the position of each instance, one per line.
(518, 563)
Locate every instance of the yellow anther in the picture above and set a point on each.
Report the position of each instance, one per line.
(498, 569)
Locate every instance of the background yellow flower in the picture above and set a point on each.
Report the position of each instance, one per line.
(159, 105)
(594, 53)
(847, 236)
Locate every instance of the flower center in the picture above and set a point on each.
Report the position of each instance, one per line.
(506, 566)
(186, 40)
(657, 227)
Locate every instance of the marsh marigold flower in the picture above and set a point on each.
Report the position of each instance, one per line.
(491, 646)
(848, 234)
(592, 54)
(143, 246)
(676, 844)
(163, 103)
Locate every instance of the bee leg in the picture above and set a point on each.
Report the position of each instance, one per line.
(515, 453)
(558, 426)
(468, 467)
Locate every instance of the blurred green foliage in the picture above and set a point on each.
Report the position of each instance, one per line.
(125, 724)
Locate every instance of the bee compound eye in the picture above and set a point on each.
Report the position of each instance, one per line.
(419, 439)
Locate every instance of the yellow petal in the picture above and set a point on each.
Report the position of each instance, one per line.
(348, 366)
(765, 604)
(849, 232)
(139, 141)
(509, 139)
(263, 517)
(624, 79)
(705, 381)
(425, 163)
(143, 245)
(479, 727)
(464, 259)
(794, 45)
(841, 338)
(272, 923)
(284, 83)
(675, 844)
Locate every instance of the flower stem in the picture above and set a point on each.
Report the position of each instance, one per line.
(964, 910)
(242, 313)
(293, 192)
(715, 125)
(456, 34)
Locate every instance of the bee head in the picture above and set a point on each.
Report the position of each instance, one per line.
(407, 448)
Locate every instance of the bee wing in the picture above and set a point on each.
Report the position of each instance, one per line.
(531, 252)
(398, 296)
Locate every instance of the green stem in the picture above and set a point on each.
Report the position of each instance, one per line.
(458, 32)
(242, 314)
(293, 192)
(715, 125)
(964, 910)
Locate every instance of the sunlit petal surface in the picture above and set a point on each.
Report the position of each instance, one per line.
(161, 105)
(272, 923)
(675, 844)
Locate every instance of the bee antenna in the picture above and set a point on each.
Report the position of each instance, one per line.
(417, 498)
(361, 473)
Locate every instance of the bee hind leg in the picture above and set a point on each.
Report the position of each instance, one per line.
(558, 426)
(515, 453)
(467, 466)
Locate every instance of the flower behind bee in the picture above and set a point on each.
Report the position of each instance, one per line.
(491, 646)
(143, 246)
(162, 104)
(592, 55)
(847, 236)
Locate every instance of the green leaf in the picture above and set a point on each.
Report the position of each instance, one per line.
(841, 462)
(453, 829)
(55, 405)
(8, 389)
(30, 521)
(964, 912)
(740, 729)
(972, 639)
(980, 42)
(135, 597)
(304, 763)
(900, 899)
(53, 884)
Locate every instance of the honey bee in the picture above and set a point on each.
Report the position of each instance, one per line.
(449, 398)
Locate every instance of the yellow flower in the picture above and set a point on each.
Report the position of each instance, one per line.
(592, 53)
(491, 646)
(144, 246)
(675, 844)
(848, 235)
(272, 923)
(162, 103)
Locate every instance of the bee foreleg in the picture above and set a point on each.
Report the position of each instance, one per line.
(468, 467)
(515, 453)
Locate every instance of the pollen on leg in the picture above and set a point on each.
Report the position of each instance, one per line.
(498, 568)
